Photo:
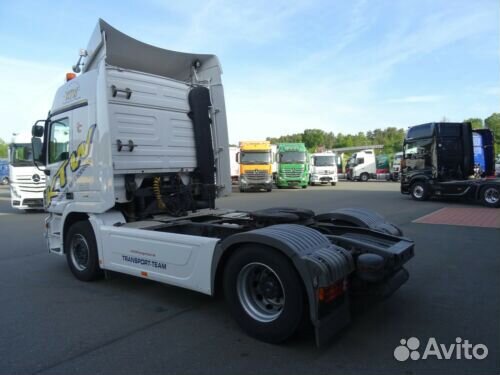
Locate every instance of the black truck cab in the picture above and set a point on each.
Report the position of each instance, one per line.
(452, 160)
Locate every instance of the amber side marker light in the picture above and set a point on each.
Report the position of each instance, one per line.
(70, 76)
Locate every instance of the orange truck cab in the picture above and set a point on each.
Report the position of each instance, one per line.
(256, 161)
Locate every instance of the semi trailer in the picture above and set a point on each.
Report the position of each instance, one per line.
(234, 165)
(136, 191)
(450, 160)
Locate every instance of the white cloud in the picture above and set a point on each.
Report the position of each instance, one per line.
(26, 92)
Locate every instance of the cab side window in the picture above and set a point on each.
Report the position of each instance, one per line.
(59, 140)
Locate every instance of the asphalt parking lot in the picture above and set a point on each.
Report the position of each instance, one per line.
(53, 324)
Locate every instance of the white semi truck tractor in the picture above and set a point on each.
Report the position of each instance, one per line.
(136, 192)
(323, 168)
(27, 183)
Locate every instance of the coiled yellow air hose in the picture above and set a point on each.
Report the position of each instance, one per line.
(157, 192)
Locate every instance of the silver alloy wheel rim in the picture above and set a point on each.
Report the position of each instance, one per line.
(492, 195)
(80, 252)
(260, 292)
(418, 191)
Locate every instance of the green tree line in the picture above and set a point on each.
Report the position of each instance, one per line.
(391, 138)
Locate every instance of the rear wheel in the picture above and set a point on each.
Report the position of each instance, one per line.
(490, 196)
(364, 177)
(264, 293)
(81, 251)
(419, 191)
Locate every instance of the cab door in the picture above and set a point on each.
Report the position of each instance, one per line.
(58, 144)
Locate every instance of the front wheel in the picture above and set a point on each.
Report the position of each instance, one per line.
(80, 247)
(419, 191)
(364, 177)
(490, 196)
(264, 293)
(5, 181)
(334, 183)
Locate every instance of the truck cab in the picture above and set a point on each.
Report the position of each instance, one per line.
(293, 165)
(256, 165)
(365, 165)
(135, 151)
(27, 183)
(443, 160)
(323, 168)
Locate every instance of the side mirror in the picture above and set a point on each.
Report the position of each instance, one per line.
(37, 129)
(36, 144)
(237, 157)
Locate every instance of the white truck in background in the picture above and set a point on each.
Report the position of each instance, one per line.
(234, 165)
(274, 167)
(365, 165)
(27, 182)
(396, 166)
(323, 168)
(148, 154)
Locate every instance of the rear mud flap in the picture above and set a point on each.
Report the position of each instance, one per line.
(328, 327)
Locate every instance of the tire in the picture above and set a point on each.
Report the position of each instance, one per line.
(242, 190)
(269, 190)
(334, 183)
(419, 191)
(304, 186)
(364, 177)
(272, 323)
(80, 247)
(5, 181)
(490, 196)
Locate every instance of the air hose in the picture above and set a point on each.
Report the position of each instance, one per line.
(157, 192)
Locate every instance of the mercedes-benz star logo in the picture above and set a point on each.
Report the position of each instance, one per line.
(35, 178)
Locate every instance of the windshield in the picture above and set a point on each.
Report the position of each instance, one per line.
(324, 161)
(255, 157)
(292, 157)
(21, 154)
(418, 154)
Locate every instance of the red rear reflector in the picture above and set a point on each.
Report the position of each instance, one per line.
(329, 293)
(144, 273)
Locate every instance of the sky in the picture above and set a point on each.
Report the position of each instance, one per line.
(341, 65)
